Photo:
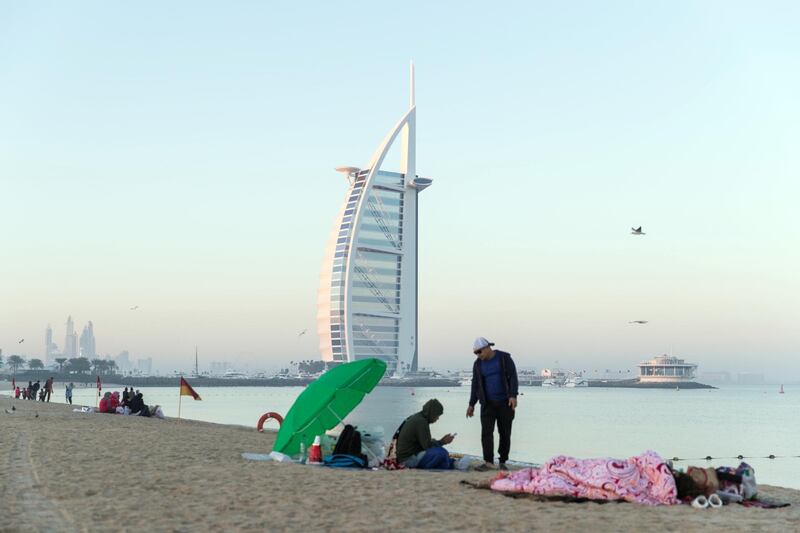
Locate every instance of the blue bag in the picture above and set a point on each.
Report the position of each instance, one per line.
(341, 460)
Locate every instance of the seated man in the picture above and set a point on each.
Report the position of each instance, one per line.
(416, 448)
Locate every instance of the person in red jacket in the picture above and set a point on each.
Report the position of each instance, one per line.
(16, 393)
(113, 402)
(105, 403)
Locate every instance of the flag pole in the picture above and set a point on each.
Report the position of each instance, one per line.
(180, 397)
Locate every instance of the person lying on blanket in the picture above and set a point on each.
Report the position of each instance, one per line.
(416, 448)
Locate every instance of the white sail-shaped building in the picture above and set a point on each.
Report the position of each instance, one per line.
(367, 304)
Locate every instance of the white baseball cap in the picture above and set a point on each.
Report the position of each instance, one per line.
(481, 343)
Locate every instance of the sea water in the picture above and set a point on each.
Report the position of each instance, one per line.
(584, 422)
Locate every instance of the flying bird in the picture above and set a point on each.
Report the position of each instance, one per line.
(302, 333)
(134, 308)
(638, 322)
(637, 231)
(21, 341)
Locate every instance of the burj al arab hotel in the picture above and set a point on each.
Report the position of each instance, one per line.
(367, 305)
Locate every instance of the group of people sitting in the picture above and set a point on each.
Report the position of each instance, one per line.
(131, 403)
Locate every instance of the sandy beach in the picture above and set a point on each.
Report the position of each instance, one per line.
(66, 471)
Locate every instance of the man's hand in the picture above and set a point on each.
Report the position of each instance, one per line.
(447, 439)
(512, 403)
(470, 411)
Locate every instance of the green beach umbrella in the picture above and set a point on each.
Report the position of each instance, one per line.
(326, 402)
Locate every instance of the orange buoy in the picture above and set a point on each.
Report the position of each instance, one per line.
(267, 416)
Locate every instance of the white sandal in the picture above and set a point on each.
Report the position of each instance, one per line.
(701, 502)
(714, 501)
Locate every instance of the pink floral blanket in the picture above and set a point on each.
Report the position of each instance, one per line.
(641, 479)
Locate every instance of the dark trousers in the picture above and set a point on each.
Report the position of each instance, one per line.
(503, 415)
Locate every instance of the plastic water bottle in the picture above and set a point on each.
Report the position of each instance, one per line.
(303, 452)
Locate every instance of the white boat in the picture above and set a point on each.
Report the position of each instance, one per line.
(233, 374)
(576, 381)
(551, 382)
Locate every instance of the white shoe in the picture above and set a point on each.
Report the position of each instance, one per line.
(701, 502)
(714, 501)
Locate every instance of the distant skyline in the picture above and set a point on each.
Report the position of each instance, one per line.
(180, 158)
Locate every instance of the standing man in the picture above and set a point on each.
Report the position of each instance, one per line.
(48, 388)
(68, 392)
(495, 386)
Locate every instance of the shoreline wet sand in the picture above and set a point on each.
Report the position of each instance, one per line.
(67, 471)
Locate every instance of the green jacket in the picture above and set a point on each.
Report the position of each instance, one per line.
(415, 434)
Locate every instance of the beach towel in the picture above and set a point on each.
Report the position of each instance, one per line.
(643, 479)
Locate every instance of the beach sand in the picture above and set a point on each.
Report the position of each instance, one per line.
(66, 471)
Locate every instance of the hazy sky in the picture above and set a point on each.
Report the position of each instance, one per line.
(179, 156)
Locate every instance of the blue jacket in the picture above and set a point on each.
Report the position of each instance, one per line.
(510, 383)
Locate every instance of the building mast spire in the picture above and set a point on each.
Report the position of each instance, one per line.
(412, 103)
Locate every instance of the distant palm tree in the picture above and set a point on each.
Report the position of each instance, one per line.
(61, 361)
(111, 366)
(15, 362)
(97, 364)
(80, 365)
(35, 364)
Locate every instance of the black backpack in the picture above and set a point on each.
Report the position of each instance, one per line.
(349, 443)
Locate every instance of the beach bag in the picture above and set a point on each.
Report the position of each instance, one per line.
(749, 487)
(342, 460)
(372, 444)
(349, 442)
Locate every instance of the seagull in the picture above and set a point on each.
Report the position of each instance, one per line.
(638, 322)
(134, 308)
(302, 333)
(637, 231)
(21, 341)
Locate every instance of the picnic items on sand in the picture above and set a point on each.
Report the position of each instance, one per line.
(326, 402)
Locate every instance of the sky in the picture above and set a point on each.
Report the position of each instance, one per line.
(180, 157)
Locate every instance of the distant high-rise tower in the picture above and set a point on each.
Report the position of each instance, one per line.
(70, 340)
(87, 342)
(367, 300)
(48, 343)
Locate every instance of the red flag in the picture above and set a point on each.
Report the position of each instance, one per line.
(13, 383)
(99, 386)
(187, 390)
